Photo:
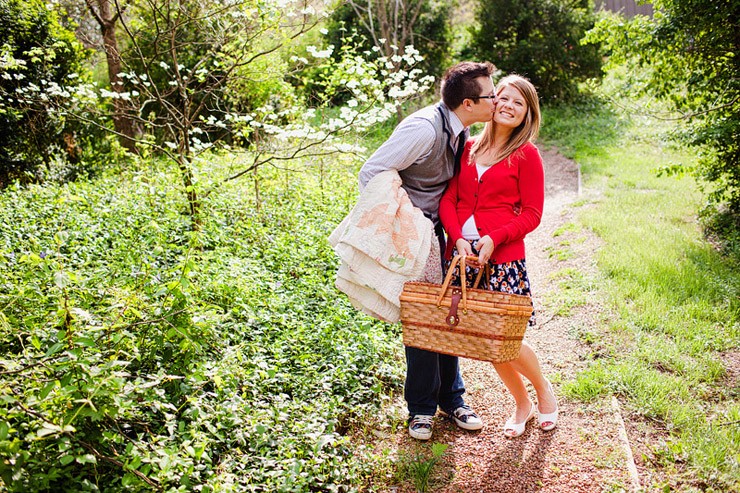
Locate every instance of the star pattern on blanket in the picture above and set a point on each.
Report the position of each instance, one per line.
(399, 223)
(377, 216)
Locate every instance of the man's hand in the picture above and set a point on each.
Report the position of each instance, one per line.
(485, 248)
(463, 247)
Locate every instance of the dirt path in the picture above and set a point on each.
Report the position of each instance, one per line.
(584, 454)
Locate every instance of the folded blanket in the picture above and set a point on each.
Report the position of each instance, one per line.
(383, 243)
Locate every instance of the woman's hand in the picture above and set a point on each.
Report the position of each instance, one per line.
(485, 248)
(463, 247)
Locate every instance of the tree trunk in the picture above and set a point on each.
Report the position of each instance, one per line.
(122, 123)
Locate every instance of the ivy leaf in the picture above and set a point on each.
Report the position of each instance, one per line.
(48, 429)
(85, 341)
(61, 279)
(54, 349)
(61, 237)
(45, 391)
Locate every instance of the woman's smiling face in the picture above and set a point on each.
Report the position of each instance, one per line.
(511, 107)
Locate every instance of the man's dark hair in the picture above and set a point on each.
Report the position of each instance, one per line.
(459, 82)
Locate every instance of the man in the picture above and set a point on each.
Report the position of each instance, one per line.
(425, 149)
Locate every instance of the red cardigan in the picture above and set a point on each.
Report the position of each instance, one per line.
(493, 200)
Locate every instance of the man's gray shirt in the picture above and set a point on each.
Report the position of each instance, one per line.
(422, 150)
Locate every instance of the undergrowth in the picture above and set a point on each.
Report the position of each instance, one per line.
(138, 355)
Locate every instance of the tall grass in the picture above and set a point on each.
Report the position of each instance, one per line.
(675, 299)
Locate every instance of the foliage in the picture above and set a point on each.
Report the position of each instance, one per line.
(139, 355)
(225, 60)
(687, 56)
(198, 90)
(36, 52)
(430, 34)
(672, 317)
(539, 39)
(359, 78)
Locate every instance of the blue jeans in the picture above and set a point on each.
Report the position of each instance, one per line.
(432, 379)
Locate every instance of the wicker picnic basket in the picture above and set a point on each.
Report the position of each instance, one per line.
(460, 321)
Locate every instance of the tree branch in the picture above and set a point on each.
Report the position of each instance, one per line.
(94, 13)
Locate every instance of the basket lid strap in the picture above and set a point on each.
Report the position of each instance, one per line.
(452, 317)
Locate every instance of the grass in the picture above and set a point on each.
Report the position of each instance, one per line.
(674, 299)
(418, 467)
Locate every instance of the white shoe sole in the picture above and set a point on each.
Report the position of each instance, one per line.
(468, 426)
(420, 435)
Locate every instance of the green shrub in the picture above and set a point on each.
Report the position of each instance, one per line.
(539, 39)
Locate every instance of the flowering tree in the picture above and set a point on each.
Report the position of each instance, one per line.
(391, 26)
(189, 64)
(107, 16)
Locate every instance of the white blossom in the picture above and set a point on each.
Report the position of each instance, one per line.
(320, 54)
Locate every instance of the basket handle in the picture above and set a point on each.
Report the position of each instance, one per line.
(451, 271)
(460, 261)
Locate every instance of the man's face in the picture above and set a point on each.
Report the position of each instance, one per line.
(484, 108)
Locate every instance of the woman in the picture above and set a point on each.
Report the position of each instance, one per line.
(491, 204)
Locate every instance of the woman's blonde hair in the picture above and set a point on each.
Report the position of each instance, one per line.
(527, 131)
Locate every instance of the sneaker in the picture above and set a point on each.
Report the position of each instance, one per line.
(466, 418)
(420, 427)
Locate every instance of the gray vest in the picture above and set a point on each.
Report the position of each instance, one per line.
(425, 181)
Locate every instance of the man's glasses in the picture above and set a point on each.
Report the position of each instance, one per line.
(484, 97)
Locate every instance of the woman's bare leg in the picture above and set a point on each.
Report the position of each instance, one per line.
(513, 381)
(527, 365)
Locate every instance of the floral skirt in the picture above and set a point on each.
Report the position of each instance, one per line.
(508, 277)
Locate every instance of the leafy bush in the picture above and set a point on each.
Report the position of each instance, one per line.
(37, 55)
(539, 39)
(139, 355)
